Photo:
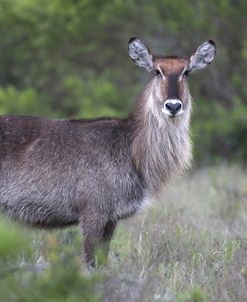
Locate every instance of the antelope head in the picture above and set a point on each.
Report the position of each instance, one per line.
(169, 95)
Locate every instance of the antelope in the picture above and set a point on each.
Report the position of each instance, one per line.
(60, 172)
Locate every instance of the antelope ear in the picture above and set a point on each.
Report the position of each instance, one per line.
(140, 54)
(203, 56)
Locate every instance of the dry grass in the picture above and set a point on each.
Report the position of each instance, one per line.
(191, 245)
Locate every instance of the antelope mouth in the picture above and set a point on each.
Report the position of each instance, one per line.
(172, 108)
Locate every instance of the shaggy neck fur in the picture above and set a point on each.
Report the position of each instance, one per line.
(161, 146)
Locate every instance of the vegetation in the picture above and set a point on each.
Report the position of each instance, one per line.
(190, 245)
(69, 59)
(46, 270)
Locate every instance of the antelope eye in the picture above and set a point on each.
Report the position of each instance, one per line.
(157, 72)
(186, 73)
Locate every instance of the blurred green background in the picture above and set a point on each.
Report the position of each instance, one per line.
(69, 59)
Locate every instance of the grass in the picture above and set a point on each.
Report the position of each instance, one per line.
(190, 245)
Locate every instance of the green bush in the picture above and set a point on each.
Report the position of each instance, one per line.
(12, 241)
(25, 102)
(219, 133)
(193, 295)
(22, 280)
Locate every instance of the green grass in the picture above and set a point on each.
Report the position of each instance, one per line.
(190, 245)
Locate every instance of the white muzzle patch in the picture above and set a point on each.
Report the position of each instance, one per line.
(172, 107)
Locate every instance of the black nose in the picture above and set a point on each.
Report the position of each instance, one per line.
(173, 107)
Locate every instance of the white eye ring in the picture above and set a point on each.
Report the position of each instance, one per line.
(158, 71)
(183, 73)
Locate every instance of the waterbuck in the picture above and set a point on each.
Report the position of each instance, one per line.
(56, 173)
